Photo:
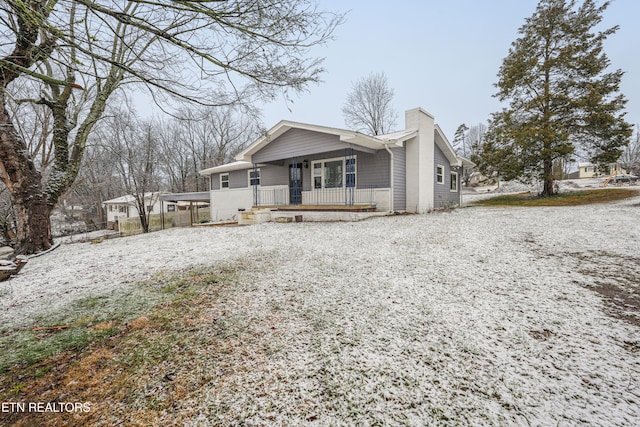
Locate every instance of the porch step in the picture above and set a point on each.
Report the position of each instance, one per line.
(254, 216)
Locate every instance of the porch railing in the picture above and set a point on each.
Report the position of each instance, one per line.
(349, 196)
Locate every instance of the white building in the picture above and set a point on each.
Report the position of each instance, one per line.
(126, 207)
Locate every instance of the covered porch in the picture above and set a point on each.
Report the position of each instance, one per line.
(292, 198)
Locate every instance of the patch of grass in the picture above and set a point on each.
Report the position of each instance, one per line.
(573, 198)
(95, 318)
(27, 348)
(148, 366)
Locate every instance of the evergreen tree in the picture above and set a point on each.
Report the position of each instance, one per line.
(561, 97)
(459, 140)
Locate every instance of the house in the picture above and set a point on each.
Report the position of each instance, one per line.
(589, 170)
(305, 167)
(126, 207)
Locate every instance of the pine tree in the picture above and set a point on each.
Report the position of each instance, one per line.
(561, 97)
(459, 140)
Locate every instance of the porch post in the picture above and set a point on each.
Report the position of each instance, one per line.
(256, 198)
(391, 184)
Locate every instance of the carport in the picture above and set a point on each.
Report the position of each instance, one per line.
(196, 199)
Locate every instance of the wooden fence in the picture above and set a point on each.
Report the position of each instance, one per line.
(131, 226)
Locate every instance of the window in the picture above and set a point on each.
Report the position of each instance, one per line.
(350, 172)
(171, 208)
(334, 173)
(224, 180)
(122, 209)
(317, 175)
(454, 182)
(254, 177)
(440, 174)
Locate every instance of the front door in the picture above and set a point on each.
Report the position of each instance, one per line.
(295, 183)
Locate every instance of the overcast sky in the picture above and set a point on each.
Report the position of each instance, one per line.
(442, 56)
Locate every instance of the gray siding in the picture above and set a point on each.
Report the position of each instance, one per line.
(373, 169)
(298, 143)
(237, 179)
(443, 195)
(274, 175)
(399, 178)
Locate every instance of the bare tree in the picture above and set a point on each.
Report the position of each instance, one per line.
(630, 159)
(98, 179)
(467, 142)
(199, 137)
(474, 139)
(176, 157)
(368, 106)
(80, 52)
(134, 147)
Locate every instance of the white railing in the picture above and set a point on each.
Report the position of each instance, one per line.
(349, 196)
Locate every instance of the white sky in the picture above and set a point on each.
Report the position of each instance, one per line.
(439, 55)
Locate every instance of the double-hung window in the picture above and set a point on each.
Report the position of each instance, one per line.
(224, 180)
(254, 177)
(454, 182)
(440, 174)
(334, 173)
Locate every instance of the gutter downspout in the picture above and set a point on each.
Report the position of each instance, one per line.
(460, 184)
(386, 147)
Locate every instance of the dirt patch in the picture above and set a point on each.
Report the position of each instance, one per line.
(617, 281)
(623, 303)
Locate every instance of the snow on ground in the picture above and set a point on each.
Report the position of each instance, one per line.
(482, 316)
(472, 194)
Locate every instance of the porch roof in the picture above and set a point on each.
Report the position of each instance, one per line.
(398, 137)
(234, 166)
(201, 196)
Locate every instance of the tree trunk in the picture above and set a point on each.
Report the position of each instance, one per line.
(144, 222)
(34, 225)
(24, 182)
(548, 178)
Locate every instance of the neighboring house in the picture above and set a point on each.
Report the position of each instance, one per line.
(589, 170)
(296, 165)
(126, 207)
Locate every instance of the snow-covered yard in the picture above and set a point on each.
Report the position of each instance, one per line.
(481, 316)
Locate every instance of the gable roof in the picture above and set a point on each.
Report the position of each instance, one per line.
(378, 142)
(283, 126)
(445, 146)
